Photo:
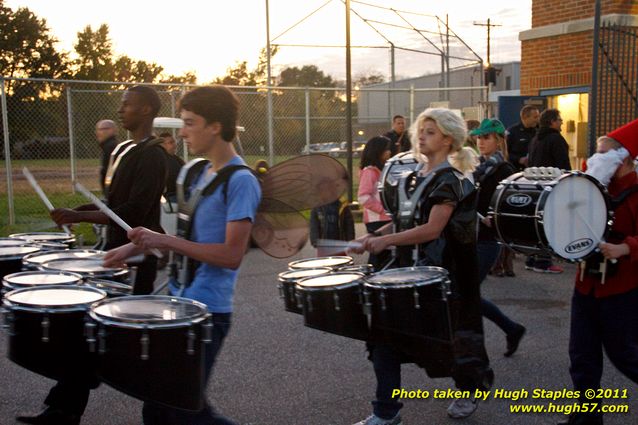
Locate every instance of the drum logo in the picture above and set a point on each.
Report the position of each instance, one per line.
(519, 200)
(578, 245)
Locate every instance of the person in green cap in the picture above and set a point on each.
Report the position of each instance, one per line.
(494, 167)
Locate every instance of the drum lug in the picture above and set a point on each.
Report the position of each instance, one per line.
(382, 298)
(46, 324)
(7, 320)
(298, 295)
(367, 307)
(101, 336)
(281, 291)
(208, 332)
(416, 299)
(336, 298)
(190, 345)
(309, 299)
(89, 332)
(144, 342)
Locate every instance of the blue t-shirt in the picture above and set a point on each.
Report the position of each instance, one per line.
(212, 285)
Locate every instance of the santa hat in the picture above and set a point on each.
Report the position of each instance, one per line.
(627, 135)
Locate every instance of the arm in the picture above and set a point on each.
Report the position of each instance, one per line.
(561, 154)
(367, 190)
(439, 217)
(66, 216)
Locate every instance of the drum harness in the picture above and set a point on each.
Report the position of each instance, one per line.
(183, 268)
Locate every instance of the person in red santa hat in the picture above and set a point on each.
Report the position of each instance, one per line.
(604, 313)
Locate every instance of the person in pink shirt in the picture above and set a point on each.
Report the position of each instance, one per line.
(373, 158)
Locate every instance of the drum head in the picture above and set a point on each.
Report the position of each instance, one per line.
(575, 216)
(16, 251)
(41, 278)
(54, 296)
(12, 242)
(294, 275)
(112, 288)
(43, 257)
(43, 236)
(314, 263)
(149, 309)
(331, 280)
(82, 266)
(408, 276)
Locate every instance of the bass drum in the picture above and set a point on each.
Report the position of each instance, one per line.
(566, 216)
(395, 168)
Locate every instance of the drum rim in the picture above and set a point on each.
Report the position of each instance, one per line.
(78, 278)
(14, 305)
(63, 236)
(111, 284)
(107, 272)
(299, 285)
(27, 258)
(367, 266)
(149, 323)
(283, 278)
(6, 257)
(369, 280)
(17, 241)
(293, 263)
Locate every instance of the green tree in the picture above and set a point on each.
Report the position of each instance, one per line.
(306, 76)
(95, 54)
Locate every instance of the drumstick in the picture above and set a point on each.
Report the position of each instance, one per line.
(34, 184)
(591, 230)
(106, 210)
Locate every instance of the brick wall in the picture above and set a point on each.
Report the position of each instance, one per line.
(546, 12)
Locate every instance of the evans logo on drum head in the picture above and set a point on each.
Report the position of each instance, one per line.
(519, 200)
(579, 245)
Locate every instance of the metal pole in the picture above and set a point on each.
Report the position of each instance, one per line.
(69, 111)
(393, 79)
(271, 152)
(349, 101)
(7, 153)
(447, 57)
(307, 120)
(411, 103)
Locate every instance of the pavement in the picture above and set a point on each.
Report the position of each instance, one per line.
(273, 370)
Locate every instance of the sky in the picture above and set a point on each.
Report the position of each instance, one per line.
(209, 36)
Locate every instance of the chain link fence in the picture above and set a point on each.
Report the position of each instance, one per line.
(48, 126)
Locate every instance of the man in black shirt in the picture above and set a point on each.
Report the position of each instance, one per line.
(106, 135)
(174, 162)
(520, 135)
(398, 136)
(134, 184)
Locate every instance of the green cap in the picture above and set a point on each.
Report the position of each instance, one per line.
(489, 126)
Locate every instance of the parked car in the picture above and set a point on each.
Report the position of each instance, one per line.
(341, 151)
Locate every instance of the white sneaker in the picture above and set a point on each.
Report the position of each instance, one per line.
(462, 408)
(375, 420)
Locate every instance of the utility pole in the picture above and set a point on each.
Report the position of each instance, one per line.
(489, 26)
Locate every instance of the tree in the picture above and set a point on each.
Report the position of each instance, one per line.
(95, 54)
(306, 76)
(362, 80)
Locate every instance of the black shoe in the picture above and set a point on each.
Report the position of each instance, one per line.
(50, 416)
(513, 340)
(583, 419)
(510, 273)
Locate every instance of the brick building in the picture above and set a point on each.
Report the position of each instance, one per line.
(556, 59)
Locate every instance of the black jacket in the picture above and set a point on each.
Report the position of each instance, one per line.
(549, 149)
(175, 163)
(107, 147)
(403, 141)
(518, 140)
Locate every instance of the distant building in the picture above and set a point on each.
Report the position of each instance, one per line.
(557, 58)
(376, 107)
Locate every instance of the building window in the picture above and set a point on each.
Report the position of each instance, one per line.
(508, 83)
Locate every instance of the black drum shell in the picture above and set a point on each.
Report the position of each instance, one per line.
(168, 376)
(424, 333)
(12, 263)
(287, 288)
(344, 317)
(66, 353)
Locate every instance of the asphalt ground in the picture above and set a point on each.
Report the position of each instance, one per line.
(274, 370)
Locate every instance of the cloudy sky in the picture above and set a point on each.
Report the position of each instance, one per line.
(208, 36)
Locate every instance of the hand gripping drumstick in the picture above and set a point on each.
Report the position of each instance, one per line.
(106, 210)
(34, 184)
(591, 230)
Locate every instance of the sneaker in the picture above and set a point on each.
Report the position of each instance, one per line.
(462, 408)
(550, 269)
(375, 420)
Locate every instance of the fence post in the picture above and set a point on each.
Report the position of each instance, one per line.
(69, 111)
(307, 120)
(593, 91)
(411, 103)
(7, 153)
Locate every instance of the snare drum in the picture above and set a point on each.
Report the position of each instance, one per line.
(113, 289)
(32, 279)
(46, 328)
(566, 216)
(409, 308)
(395, 168)
(314, 263)
(287, 281)
(12, 242)
(44, 237)
(366, 269)
(88, 267)
(152, 348)
(334, 303)
(34, 261)
(11, 258)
